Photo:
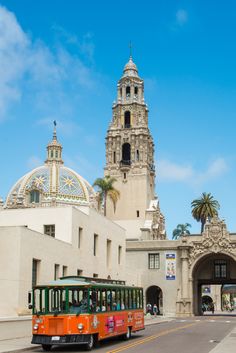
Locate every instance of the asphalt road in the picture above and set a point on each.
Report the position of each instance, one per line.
(198, 334)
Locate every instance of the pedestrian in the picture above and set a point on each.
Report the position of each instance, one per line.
(212, 308)
(155, 310)
(149, 308)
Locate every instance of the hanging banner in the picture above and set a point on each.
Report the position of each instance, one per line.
(170, 266)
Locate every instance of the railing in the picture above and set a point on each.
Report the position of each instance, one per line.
(125, 162)
(127, 126)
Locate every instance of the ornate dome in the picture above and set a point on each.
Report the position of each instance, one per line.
(52, 184)
(130, 68)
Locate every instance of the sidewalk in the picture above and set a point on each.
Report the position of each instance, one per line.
(227, 345)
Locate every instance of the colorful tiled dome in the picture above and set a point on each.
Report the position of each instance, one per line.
(52, 184)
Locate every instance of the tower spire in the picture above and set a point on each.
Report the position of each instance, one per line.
(130, 49)
(55, 130)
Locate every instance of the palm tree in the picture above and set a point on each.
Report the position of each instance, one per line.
(181, 229)
(106, 189)
(204, 207)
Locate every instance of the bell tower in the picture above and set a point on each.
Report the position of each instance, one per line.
(130, 149)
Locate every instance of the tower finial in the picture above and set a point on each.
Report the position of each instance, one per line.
(130, 49)
(55, 130)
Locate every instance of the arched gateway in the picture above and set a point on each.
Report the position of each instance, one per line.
(209, 259)
(212, 269)
(154, 296)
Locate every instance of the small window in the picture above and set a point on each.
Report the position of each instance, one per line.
(137, 155)
(127, 119)
(114, 157)
(119, 254)
(136, 90)
(56, 271)
(220, 269)
(49, 229)
(124, 175)
(79, 272)
(153, 261)
(137, 214)
(128, 91)
(95, 244)
(121, 92)
(80, 232)
(108, 252)
(51, 154)
(95, 275)
(34, 196)
(35, 271)
(56, 154)
(64, 271)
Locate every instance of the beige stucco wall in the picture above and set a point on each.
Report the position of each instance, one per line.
(19, 245)
(138, 271)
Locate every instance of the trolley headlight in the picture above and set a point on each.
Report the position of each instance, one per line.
(36, 326)
(80, 326)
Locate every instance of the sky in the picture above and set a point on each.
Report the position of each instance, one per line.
(61, 60)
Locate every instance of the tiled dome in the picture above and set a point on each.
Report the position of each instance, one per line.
(50, 185)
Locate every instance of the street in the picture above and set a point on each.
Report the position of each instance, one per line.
(190, 335)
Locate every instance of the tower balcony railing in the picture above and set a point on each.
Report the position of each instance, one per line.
(125, 163)
(127, 126)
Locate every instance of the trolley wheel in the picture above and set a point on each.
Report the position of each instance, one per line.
(127, 335)
(90, 344)
(46, 347)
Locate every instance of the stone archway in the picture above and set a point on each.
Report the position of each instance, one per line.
(154, 295)
(212, 269)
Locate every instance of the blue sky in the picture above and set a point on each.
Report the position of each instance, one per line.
(62, 60)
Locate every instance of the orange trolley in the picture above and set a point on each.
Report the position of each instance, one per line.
(80, 310)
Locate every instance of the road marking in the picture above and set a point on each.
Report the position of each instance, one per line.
(150, 338)
(211, 320)
(227, 321)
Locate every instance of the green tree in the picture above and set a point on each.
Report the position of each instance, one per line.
(181, 229)
(106, 189)
(204, 207)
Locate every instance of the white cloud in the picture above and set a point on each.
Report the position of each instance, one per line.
(168, 171)
(181, 17)
(52, 75)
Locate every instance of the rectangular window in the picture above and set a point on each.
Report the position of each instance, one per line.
(64, 271)
(119, 254)
(95, 275)
(35, 271)
(56, 271)
(79, 272)
(220, 268)
(80, 232)
(95, 244)
(153, 261)
(108, 252)
(49, 229)
(137, 214)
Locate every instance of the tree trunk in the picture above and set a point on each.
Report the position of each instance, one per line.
(202, 227)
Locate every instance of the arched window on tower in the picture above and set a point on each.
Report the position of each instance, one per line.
(128, 91)
(127, 119)
(136, 91)
(137, 155)
(34, 196)
(114, 157)
(121, 92)
(126, 160)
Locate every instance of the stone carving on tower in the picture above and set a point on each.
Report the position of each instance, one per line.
(130, 157)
